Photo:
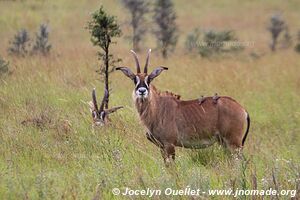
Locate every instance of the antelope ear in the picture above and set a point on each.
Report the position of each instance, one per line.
(92, 106)
(93, 110)
(114, 109)
(127, 72)
(156, 72)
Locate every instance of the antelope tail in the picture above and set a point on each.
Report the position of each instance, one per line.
(247, 130)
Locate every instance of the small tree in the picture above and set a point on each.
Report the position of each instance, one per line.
(138, 9)
(103, 28)
(42, 41)
(276, 26)
(166, 31)
(20, 43)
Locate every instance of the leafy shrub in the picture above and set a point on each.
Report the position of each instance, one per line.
(297, 47)
(42, 40)
(20, 43)
(209, 43)
(192, 40)
(4, 65)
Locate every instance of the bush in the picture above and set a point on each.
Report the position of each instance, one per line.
(4, 65)
(209, 43)
(297, 47)
(192, 40)
(42, 41)
(20, 43)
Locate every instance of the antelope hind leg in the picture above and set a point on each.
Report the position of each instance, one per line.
(236, 150)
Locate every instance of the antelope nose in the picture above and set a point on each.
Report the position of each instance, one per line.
(142, 90)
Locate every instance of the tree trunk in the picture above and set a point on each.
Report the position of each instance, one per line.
(164, 53)
(273, 44)
(135, 44)
(135, 40)
(106, 75)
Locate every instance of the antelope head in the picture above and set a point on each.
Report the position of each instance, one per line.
(141, 80)
(100, 116)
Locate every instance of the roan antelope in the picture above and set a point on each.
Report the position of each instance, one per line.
(195, 123)
(100, 116)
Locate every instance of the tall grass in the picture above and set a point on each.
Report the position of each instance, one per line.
(49, 150)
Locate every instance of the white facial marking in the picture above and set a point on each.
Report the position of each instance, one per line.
(137, 81)
(141, 92)
(146, 81)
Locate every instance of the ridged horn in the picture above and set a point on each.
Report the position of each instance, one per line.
(104, 100)
(94, 100)
(147, 62)
(138, 68)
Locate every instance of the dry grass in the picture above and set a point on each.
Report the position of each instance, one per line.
(56, 153)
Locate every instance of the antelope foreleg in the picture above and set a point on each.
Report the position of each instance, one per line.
(168, 154)
(152, 139)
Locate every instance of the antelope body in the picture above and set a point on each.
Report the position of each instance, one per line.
(195, 123)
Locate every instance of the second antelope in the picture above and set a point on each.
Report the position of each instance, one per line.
(100, 115)
(198, 123)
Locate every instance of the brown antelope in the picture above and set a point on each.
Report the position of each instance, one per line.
(100, 116)
(195, 123)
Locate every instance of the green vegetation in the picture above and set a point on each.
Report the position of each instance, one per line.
(20, 43)
(41, 44)
(4, 66)
(212, 43)
(103, 29)
(49, 150)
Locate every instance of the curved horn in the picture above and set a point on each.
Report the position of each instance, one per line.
(147, 61)
(138, 68)
(94, 100)
(104, 100)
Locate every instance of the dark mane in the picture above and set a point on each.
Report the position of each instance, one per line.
(166, 93)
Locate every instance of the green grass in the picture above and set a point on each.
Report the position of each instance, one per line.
(56, 154)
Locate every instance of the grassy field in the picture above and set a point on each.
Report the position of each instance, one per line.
(63, 157)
